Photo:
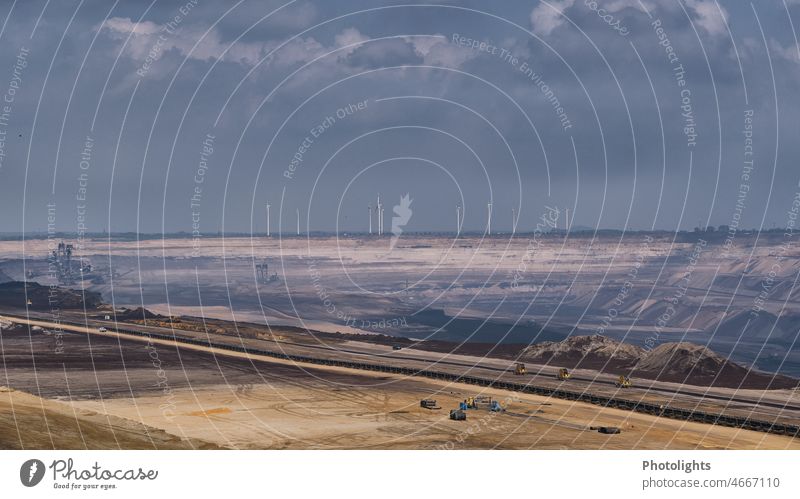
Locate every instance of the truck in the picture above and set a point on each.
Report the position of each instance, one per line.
(428, 404)
(495, 406)
(458, 415)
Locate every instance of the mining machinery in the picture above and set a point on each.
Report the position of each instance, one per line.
(263, 275)
(623, 382)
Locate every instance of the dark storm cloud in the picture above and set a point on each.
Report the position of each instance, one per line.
(146, 84)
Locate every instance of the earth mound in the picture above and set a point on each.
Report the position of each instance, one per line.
(589, 352)
(15, 293)
(683, 362)
(137, 314)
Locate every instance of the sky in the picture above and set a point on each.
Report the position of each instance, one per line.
(163, 116)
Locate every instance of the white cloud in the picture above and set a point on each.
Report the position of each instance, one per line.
(547, 16)
(298, 51)
(618, 5)
(144, 37)
(709, 15)
(151, 39)
(788, 53)
(350, 36)
(438, 51)
(435, 50)
(125, 25)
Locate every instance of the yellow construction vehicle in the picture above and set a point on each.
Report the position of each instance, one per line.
(623, 382)
(563, 374)
(519, 369)
(468, 403)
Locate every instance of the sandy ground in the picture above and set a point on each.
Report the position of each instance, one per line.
(193, 369)
(131, 394)
(286, 415)
(30, 422)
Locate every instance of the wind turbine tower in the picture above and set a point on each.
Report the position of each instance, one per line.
(268, 219)
(489, 219)
(379, 211)
(513, 221)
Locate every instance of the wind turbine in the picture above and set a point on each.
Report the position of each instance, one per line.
(458, 219)
(298, 221)
(379, 211)
(489, 219)
(369, 212)
(513, 221)
(268, 219)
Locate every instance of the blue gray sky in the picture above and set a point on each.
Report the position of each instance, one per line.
(630, 113)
